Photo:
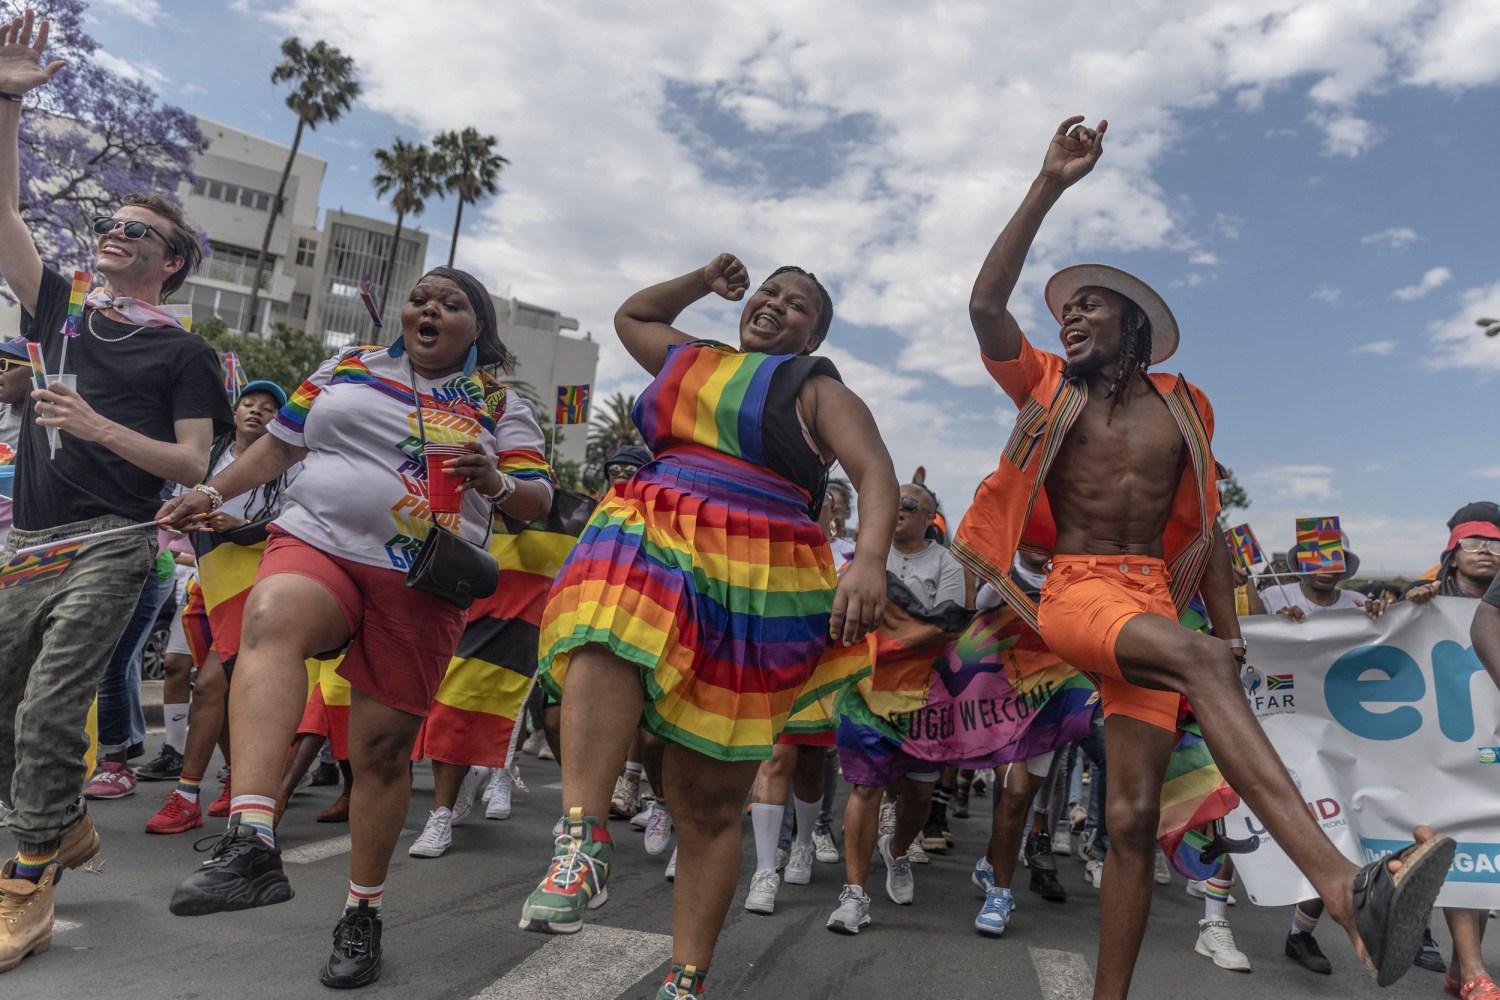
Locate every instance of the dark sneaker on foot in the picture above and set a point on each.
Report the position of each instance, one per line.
(1043, 868)
(355, 960)
(165, 766)
(932, 837)
(1303, 948)
(326, 774)
(1429, 957)
(243, 872)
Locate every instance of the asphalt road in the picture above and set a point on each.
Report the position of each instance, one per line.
(450, 926)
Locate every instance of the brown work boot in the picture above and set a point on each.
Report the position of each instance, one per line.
(338, 812)
(25, 914)
(79, 845)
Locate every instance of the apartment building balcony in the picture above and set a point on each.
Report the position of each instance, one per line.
(234, 276)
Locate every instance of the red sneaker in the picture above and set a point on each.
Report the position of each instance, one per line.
(177, 816)
(220, 805)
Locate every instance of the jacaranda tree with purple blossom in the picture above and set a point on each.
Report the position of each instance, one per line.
(89, 137)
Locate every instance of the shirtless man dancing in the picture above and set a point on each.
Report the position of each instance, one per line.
(1120, 460)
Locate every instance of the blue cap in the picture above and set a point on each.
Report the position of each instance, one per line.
(266, 386)
(630, 454)
(15, 349)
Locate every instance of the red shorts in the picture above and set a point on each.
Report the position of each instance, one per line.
(400, 640)
(1085, 603)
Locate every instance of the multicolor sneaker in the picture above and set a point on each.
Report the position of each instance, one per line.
(658, 829)
(999, 904)
(220, 806)
(177, 816)
(113, 780)
(576, 882)
(682, 981)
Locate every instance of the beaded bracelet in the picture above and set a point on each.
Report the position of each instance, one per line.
(215, 498)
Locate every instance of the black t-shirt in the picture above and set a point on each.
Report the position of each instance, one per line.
(144, 382)
(1492, 596)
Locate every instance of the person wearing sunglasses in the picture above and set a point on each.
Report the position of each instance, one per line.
(625, 462)
(146, 400)
(1469, 563)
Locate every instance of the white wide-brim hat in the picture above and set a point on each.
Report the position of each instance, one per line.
(1062, 286)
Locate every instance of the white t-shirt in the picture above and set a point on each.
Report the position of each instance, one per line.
(362, 493)
(1290, 595)
(932, 574)
(239, 506)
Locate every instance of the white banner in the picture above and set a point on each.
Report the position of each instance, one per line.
(1384, 725)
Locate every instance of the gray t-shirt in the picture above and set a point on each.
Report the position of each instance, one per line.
(932, 574)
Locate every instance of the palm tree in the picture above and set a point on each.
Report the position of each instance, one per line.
(470, 168)
(323, 88)
(610, 426)
(405, 175)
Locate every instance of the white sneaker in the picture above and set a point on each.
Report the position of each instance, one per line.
(468, 791)
(824, 849)
(799, 864)
(762, 895)
(658, 829)
(1163, 873)
(498, 794)
(1094, 872)
(1216, 941)
(535, 742)
(1199, 889)
(672, 867)
(436, 837)
(1062, 843)
(918, 855)
(887, 823)
(639, 820)
(853, 912)
(899, 884)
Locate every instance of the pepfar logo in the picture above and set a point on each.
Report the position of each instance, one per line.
(1269, 694)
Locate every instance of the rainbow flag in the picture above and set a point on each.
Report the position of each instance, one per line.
(572, 404)
(33, 567)
(235, 376)
(367, 296)
(1244, 547)
(1320, 545)
(82, 281)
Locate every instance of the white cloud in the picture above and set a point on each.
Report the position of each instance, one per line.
(1204, 258)
(1458, 343)
(1345, 134)
(1327, 294)
(1293, 482)
(133, 69)
(1375, 347)
(1394, 238)
(1493, 472)
(1432, 280)
(145, 11)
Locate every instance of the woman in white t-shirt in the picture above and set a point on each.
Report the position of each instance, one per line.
(333, 577)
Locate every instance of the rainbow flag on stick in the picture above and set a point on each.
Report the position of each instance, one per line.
(235, 376)
(34, 566)
(572, 404)
(1320, 545)
(1244, 547)
(82, 282)
(367, 296)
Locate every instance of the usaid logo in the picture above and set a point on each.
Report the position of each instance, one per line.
(1328, 811)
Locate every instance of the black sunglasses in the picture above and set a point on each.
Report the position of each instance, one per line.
(619, 469)
(910, 504)
(131, 229)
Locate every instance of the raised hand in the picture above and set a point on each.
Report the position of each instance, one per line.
(1074, 150)
(21, 66)
(727, 276)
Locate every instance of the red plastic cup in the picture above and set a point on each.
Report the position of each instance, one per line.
(443, 493)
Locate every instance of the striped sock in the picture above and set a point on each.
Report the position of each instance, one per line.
(364, 894)
(187, 786)
(256, 812)
(1302, 922)
(1216, 897)
(31, 866)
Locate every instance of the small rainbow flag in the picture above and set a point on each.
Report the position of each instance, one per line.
(235, 376)
(33, 567)
(82, 282)
(1244, 547)
(367, 296)
(1320, 545)
(572, 404)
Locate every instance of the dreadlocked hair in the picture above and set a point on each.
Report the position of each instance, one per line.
(1135, 350)
(265, 500)
(930, 495)
(825, 303)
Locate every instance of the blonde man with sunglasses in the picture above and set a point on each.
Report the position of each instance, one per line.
(145, 401)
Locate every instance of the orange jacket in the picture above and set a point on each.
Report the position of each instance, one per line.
(1011, 504)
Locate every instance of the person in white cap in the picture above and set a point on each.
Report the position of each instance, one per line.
(1128, 513)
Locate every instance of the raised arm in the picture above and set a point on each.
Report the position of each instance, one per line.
(1072, 154)
(644, 322)
(20, 70)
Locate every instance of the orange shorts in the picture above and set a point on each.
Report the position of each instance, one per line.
(1085, 603)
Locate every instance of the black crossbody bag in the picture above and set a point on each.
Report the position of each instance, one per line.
(447, 566)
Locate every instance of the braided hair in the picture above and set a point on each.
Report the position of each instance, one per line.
(1135, 350)
(265, 500)
(825, 301)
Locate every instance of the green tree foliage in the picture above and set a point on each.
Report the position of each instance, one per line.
(610, 427)
(323, 88)
(467, 166)
(406, 178)
(286, 356)
(1232, 496)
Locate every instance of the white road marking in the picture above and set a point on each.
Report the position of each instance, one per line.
(320, 849)
(597, 963)
(1064, 975)
(58, 926)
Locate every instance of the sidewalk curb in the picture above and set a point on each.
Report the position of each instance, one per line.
(151, 697)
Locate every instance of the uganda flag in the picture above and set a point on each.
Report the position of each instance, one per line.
(473, 718)
(227, 564)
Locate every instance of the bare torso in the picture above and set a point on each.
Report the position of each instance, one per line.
(1112, 483)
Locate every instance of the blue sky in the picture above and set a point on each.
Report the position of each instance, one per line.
(1310, 184)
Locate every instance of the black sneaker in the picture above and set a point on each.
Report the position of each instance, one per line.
(243, 872)
(135, 751)
(932, 837)
(355, 960)
(326, 773)
(165, 766)
(1304, 949)
(1043, 868)
(1429, 957)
